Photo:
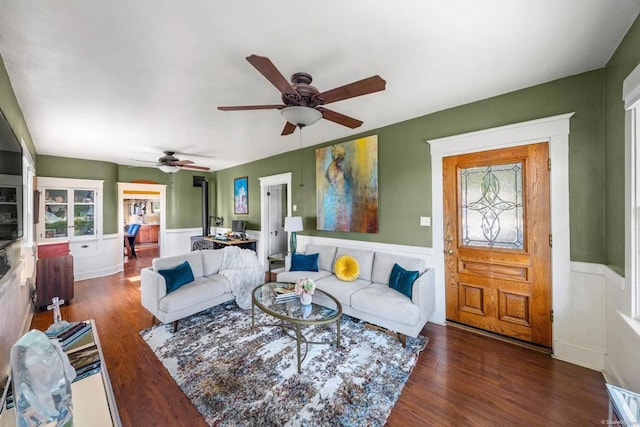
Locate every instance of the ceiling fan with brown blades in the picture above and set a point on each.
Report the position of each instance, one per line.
(302, 103)
(169, 163)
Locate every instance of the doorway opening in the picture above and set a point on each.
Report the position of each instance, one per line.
(275, 205)
(143, 204)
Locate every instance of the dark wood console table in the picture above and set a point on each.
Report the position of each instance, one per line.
(245, 244)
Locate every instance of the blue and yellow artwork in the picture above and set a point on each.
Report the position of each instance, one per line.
(347, 186)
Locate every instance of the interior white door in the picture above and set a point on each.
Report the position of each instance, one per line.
(277, 236)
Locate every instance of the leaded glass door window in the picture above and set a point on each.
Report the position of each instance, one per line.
(491, 207)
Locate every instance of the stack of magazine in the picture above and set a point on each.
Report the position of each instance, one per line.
(70, 334)
(285, 293)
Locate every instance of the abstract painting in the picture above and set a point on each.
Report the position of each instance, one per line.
(241, 195)
(347, 186)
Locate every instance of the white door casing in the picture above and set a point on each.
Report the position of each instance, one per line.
(265, 183)
(162, 189)
(277, 240)
(555, 131)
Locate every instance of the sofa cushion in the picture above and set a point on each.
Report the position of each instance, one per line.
(383, 263)
(212, 261)
(402, 280)
(326, 255)
(364, 258)
(294, 276)
(300, 262)
(194, 259)
(387, 303)
(347, 268)
(194, 293)
(342, 291)
(177, 276)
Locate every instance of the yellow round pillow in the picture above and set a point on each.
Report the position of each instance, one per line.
(347, 268)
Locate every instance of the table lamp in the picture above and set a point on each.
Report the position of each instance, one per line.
(293, 224)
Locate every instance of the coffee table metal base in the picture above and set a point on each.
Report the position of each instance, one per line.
(299, 337)
(292, 323)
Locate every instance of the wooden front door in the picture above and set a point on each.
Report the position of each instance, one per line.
(497, 241)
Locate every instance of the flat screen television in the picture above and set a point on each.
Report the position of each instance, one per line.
(11, 226)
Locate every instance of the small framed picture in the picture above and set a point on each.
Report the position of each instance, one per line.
(241, 195)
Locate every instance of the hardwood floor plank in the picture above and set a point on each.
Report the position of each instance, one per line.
(460, 379)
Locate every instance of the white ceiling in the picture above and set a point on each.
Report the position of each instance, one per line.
(123, 80)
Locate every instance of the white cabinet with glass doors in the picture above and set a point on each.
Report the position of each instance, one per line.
(70, 209)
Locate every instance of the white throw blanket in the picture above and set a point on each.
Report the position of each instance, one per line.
(244, 271)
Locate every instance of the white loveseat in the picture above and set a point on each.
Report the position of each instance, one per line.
(369, 297)
(220, 275)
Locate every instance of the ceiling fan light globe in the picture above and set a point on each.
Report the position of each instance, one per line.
(301, 116)
(169, 168)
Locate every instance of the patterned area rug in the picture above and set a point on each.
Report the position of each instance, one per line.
(234, 377)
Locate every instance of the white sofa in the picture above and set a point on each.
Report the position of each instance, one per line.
(369, 297)
(220, 275)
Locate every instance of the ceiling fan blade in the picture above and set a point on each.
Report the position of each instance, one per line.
(251, 107)
(144, 161)
(289, 128)
(267, 69)
(201, 168)
(363, 87)
(340, 119)
(183, 162)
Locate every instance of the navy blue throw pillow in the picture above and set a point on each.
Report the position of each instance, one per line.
(301, 262)
(177, 276)
(402, 280)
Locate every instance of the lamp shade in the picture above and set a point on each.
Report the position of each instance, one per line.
(293, 223)
(169, 169)
(301, 116)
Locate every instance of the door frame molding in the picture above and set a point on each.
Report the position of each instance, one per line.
(265, 183)
(133, 186)
(555, 131)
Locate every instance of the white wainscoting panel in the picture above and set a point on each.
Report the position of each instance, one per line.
(103, 257)
(178, 240)
(583, 341)
(623, 334)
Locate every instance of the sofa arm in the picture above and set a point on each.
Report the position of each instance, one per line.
(424, 294)
(153, 288)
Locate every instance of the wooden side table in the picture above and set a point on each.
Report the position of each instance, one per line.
(54, 273)
(277, 257)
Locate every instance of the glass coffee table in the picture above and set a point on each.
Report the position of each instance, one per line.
(293, 315)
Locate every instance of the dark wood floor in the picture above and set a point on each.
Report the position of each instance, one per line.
(460, 379)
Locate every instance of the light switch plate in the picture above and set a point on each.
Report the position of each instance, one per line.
(425, 221)
(295, 208)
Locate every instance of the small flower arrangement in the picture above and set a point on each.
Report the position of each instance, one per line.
(305, 286)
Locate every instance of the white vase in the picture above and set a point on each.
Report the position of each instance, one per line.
(305, 298)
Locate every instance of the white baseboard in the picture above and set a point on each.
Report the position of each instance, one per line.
(92, 274)
(611, 375)
(592, 358)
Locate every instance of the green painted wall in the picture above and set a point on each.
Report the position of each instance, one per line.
(623, 61)
(13, 113)
(404, 174)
